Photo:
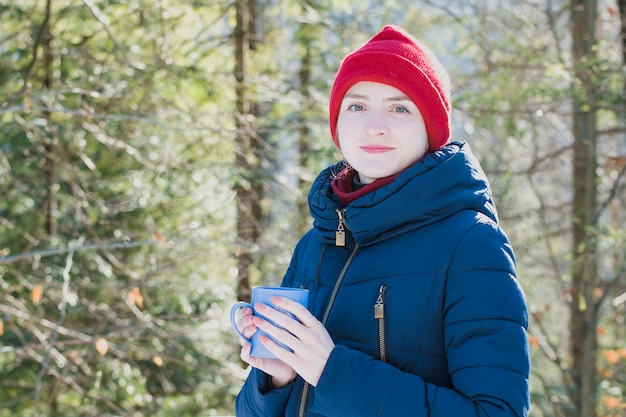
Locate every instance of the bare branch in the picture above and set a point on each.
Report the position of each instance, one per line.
(66, 249)
(69, 261)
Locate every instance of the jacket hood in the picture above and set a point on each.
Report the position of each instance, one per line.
(442, 184)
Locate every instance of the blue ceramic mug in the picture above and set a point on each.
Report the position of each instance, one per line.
(262, 295)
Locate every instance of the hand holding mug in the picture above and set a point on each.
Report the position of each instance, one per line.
(310, 344)
(278, 323)
(253, 351)
(245, 327)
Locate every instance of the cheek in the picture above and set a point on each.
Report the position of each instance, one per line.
(416, 150)
(340, 126)
(342, 133)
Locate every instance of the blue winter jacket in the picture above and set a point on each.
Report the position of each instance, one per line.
(422, 302)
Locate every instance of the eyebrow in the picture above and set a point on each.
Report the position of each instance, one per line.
(402, 97)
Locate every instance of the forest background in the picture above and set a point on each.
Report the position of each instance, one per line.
(155, 157)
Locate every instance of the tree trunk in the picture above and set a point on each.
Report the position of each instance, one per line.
(249, 154)
(619, 302)
(622, 13)
(583, 346)
(304, 38)
(49, 140)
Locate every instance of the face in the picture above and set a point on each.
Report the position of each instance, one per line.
(381, 132)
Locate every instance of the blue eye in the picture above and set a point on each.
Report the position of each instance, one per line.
(401, 109)
(356, 107)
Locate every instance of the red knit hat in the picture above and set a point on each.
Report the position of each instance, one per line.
(396, 58)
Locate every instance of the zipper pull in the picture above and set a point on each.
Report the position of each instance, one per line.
(379, 307)
(340, 233)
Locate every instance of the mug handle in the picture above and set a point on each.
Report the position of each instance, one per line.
(233, 322)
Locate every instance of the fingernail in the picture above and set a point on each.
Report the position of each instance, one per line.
(277, 299)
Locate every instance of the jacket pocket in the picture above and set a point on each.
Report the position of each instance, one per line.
(379, 315)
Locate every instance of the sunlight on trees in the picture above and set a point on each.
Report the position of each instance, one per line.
(119, 175)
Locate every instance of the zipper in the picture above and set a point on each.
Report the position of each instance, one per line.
(340, 233)
(304, 399)
(319, 264)
(379, 315)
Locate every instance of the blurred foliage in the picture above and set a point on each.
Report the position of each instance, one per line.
(117, 239)
(114, 309)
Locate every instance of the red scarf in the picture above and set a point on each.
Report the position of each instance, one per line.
(344, 187)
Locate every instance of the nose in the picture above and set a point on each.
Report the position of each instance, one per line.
(376, 126)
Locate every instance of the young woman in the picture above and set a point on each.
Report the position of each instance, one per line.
(414, 305)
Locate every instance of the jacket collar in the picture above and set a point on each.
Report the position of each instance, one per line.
(442, 184)
(343, 185)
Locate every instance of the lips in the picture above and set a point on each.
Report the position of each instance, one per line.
(376, 148)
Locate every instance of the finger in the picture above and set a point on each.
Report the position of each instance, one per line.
(298, 327)
(246, 356)
(278, 312)
(279, 351)
(301, 312)
(246, 326)
(284, 336)
(277, 320)
(248, 331)
(293, 307)
(246, 321)
(245, 352)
